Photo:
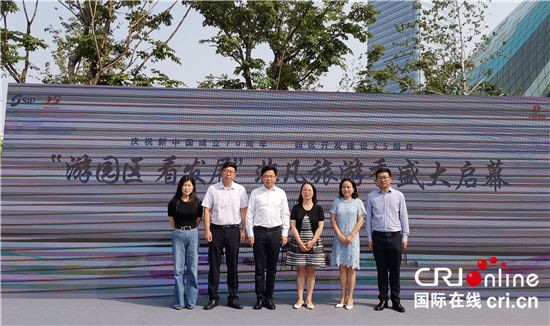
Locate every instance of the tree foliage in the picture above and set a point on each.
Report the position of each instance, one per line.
(222, 82)
(446, 49)
(304, 37)
(16, 46)
(111, 42)
(366, 80)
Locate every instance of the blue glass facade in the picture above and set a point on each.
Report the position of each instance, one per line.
(526, 68)
(392, 13)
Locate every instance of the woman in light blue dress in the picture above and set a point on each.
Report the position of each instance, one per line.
(346, 216)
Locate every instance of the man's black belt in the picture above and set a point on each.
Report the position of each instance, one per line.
(268, 229)
(227, 226)
(387, 234)
(186, 227)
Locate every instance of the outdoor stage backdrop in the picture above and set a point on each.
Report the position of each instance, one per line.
(87, 172)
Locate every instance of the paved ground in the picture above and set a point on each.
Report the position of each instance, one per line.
(158, 312)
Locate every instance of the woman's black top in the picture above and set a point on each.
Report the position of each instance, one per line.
(315, 216)
(184, 213)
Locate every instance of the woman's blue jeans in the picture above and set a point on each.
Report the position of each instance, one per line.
(185, 248)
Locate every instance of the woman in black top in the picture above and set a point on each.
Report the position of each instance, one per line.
(185, 214)
(306, 248)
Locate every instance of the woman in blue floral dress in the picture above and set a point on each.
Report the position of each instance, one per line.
(346, 216)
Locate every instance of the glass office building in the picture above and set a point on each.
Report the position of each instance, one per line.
(392, 13)
(526, 69)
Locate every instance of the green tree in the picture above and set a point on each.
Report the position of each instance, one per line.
(110, 43)
(222, 82)
(446, 49)
(366, 80)
(305, 38)
(16, 46)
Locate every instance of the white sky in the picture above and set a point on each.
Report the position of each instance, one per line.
(198, 61)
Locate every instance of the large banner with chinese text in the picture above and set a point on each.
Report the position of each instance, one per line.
(87, 173)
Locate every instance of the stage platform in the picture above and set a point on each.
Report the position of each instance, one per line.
(158, 312)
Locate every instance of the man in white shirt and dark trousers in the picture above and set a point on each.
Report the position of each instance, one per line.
(387, 235)
(267, 225)
(224, 208)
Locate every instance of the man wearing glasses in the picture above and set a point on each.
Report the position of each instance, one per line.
(224, 208)
(267, 224)
(387, 234)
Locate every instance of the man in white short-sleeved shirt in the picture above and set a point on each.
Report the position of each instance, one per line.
(267, 224)
(224, 209)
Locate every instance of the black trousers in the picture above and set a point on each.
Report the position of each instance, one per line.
(267, 245)
(387, 254)
(230, 240)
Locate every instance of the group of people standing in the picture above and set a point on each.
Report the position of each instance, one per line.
(264, 219)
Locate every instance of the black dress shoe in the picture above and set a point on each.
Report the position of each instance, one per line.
(398, 307)
(381, 305)
(234, 304)
(259, 304)
(211, 304)
(269, 305)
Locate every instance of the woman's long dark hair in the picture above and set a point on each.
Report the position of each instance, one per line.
(193, 199)
(314, 199)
